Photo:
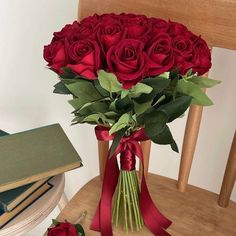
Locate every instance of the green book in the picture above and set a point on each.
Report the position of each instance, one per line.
(3, 133)
(33, 155)
(6, 217)
(12, 198)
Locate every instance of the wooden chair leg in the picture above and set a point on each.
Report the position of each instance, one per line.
(103, 147)
(189, 144)
(229, 176)
(146, 148)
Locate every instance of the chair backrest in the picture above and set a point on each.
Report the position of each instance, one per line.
(215, 20)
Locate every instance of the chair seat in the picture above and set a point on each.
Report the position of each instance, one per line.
(194, 213)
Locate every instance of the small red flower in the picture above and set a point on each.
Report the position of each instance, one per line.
(63, 229)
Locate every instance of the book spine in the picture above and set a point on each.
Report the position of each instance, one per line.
(3, 206)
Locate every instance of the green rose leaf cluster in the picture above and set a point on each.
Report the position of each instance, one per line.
(150, 104)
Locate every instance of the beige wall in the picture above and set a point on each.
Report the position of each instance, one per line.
(27, 101)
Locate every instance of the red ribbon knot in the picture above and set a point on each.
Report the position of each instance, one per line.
(128, 148)
(127, 158)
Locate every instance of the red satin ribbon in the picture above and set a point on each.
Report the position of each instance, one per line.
(153, 219)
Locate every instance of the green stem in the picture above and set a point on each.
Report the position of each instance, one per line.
(117, 206)
(134, 182)
(125, 205)
(126, 174)
(126, 210)
(134, 202)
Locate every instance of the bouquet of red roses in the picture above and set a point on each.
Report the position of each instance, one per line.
(130, 75)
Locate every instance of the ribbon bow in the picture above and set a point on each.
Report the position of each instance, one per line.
(129, 147)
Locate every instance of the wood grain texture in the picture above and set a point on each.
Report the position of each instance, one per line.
(194, 212)
(146, 148)
(229, 177)
(189, 145)
(215, 20)
(103, 147)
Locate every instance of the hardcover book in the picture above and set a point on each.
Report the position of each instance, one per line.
(36, 154)
(6, 217)
(12, 198)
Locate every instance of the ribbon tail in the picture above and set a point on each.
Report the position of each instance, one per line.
(102, 219)
(152, 217)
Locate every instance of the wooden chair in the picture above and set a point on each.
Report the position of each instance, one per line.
(194, 212)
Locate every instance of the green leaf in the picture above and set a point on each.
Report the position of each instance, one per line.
(140, 88)
(80, 230)
(78, 103)
(164, 75)
(84, 89)
(124, 105)
(159, 100)
(118, 136)
(158, 85)
(124, 93)
(97, 118)
(109, 81)
(193, 90)
(55, 222)
(140, 108)
(189, 73)
(95, 107)
(155, 125)
(93, 118)
(176, 108)
(60, 88)
(112, 115)
(172, 88)
(120, 124)
(204, 82)
(77, 120)
(165, 137)
(100, 89)
(67, 74)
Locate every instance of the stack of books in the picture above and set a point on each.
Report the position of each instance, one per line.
(28, 160)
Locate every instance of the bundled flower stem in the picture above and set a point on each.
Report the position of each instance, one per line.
(126, 209)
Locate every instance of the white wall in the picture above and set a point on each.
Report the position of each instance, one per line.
(27, 101)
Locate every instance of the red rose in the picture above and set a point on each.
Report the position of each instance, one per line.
(84, 58)
(132, 19)
(201, 58)
(183, 52)
(85, 31)
(176, 29)
(63, 229)
(191, 36)
(110, 34)
(91, 19)
(158, 26)
(160, 55)
(109, 17)
(127, 60)
(137, 26)
(66, 31)
(55, 55)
